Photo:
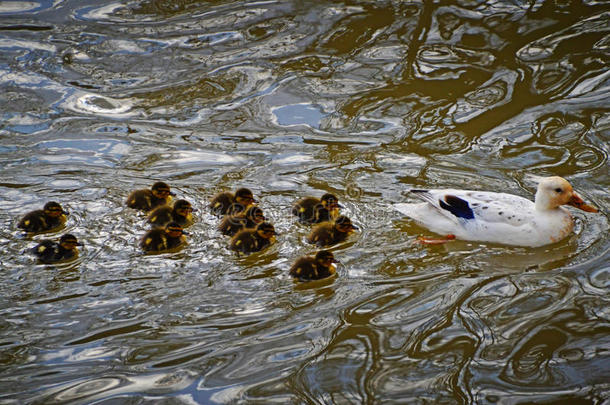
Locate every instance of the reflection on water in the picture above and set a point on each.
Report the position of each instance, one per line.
(361, 99)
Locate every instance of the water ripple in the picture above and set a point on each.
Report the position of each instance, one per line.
(364, 100)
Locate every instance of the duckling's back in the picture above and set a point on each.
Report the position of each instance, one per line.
(304, 267)
(144, 200)
(247, 241)
(244, 241)
(161, 216)
(231, 224)
(306, 209)
(33, 221)
(45, 250)
(154, 240)
(323, 234)
(49, 251)
(37, 221)
(221, 203)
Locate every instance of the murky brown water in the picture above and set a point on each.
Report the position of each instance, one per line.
(293, 98)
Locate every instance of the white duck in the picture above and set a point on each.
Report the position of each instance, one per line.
(498, 217)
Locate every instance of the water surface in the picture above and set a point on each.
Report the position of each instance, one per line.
(362, 99)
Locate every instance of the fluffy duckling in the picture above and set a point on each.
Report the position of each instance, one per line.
(311, 210)
(314, 267)
(253, 240)
(181, 213)
(162, 239)
(329, 233)
(221, 203)
(146, 200)
(50, 217)
(231, 224)
(236, 208)
(49, 251)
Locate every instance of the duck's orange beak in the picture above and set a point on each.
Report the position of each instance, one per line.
(578, 202)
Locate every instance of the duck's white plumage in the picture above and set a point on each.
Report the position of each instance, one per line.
(498, 217)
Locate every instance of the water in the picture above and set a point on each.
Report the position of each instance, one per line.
(362, 99)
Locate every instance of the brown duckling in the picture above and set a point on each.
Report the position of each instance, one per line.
(162, 239)
(222, 202)
(231, 224)
(312, 210)
(49, 251)
(52, 216)
(329, 233)
(236, 208)
(314, 267)
(253, 240)
(180, 213)
(146, 200)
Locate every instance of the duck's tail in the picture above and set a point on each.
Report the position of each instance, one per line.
(406, 209)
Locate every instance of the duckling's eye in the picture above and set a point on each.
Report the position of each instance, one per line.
(558, 190)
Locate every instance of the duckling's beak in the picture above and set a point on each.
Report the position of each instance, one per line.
(80, 244)
(340, 206)
(355, 228)
(578, 202)
(65, 213)
(193, 209)
(185, 233)
(172, 193)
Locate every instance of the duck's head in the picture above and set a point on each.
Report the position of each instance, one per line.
(183, 208)
(174, 230)
(266, 230)
(255, 214)
(244, 197)
(325, 258)
(161, 190)
(53, 209)
(330, 202)
(344, 224)
(69, 242)
(555, 191)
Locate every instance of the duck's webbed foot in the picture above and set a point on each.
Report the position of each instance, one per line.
(435, 241)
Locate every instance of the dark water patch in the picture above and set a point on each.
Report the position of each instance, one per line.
(67, 297)
(121, 281)
(109, 332)
(180, 360)
(25, 27)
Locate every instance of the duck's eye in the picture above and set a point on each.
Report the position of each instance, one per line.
(558, 190)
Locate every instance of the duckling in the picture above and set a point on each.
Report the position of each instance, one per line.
(161, 239)
(311, 210)
(331, 232)
(180, 213)
(231, 224)
(253, 240)
(314, 267)
(52, 216)
(222, 202)
(49, 251)
(236, 208)
(146, 200)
